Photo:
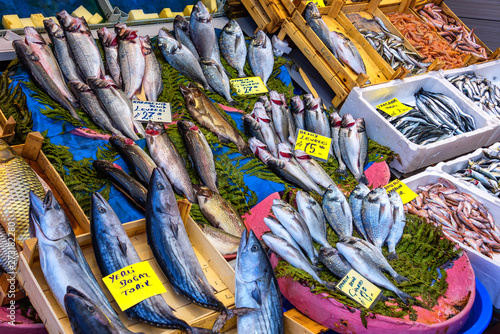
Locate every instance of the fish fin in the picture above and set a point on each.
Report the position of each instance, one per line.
(69, 252)
(237, 42)
(227, 314)
(392, 256)
(400, 279)
(122, 245)
(256, 294)
(404, 296)
(175, 228)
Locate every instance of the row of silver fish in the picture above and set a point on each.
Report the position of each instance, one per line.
(480, 90)
(435, 117)
(462, 217)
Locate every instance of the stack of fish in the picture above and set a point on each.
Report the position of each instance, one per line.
(436, 117)
(480, 90)
(452, 30)
(462, 218)
(341, 47)
(293, 232)
(483, 173)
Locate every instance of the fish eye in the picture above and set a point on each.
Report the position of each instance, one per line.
(101, 209)
(254, 248)
(159, 186)
(91, 309)
(57, 206)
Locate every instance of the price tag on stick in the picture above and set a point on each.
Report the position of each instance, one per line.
(133, 284)
(313, 144)
(359, 289)
(248, 86)
(394, 107)
(145, 111)
(407, 195)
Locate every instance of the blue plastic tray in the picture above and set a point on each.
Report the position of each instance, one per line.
(481, 313)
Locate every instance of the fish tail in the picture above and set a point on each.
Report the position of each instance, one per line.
(241, 74)
(400, 279)
(362, 179)
(227, 314)
(342, 171)
(404, 296)
(233, 103)
(392, 256)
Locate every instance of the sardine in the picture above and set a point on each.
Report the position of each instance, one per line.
(219, 212)
(260, 56)
(316, 120)
(297, 108)
(152, 82)
(350, 147)
(202, 30)
(132, 188)
(165, 155)
(182, 33)
(313, 216)
(335, 124)
(280, 115)
(377, 217)
(337, 211)
(83, 46)
(180, 58)
(347, 53)
(267, 129)
(117, 105)
(278, 230)
(131, 57)
(257, 288)
(313, 169)
(110, 45)
(334, 261)
(224, 242)
(355, 202)
(139, 161)
(398, 225)
(199, 152)
(233, 46)
(315, 21)
(217, 78)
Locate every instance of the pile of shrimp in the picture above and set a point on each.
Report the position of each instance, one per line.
(426, 41)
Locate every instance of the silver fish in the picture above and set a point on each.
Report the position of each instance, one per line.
(335, 124)
(313, 169)
(337, 211)
(347, 53)
(260, 56)
(224, 242)
(233, 46)
(264, 100)
(252, 128)
(350, 147)
(131, 57)
(363, 141)
(280, 115)
(180, 58)
(217, 78)
(260, 150)
(152, 82)
(182, 33)
(316, 120)
(278, 230)
(315, 21)
(297, 108)
(110, 45)
(399, 222)
(376, 214)
(202, 30)
(355, 202)
(267, 129)
(313, 216)
(334, 261)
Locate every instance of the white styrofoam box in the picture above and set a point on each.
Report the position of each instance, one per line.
(487, 270)
(450, 167)
(489, 70)
(361, 102)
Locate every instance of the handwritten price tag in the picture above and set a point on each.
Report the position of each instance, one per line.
(145, 111)
(250, 85)
(318, 3)
(394, 107)
(313, 144)
(407, 195)
(133, 284)
(359, 288)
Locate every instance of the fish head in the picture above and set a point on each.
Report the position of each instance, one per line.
(306, 198)
(83, 313)
(154, 129)
(252, 261)
(275, 97)
(78, 87)
(100, 211)
(311, 11)
(360, 191)
(395, 199)
(345, 249)
(348, 121)
(98, 83)
(146, 46)
(259, 38)
(200, 13)
(314, 103)
(271, 222)
(279, 201)
(264, 100)
(101, 166)
(6, 152)
(203, 193)
(185, 127)
(360, 123)
(261, 115)
(260, 105)
(121, 142)
(32, 37)
(333, 193)
(297, 105)
(256, 145)
(47, 218)
(71, 23)
(232, 27)
(24, 52)
(376, 195)
(335, 120)
(53, 28)
(181, 23)
(161, 196)
(167, 43)
(125, 33)
(284, 152)
(301, 155)
(107, 37)
(284, 210)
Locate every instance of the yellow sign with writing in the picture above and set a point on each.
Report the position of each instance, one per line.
(407, 195)
(133, 284)
(359, 288)
(248, 86)
(394, 107)
(318, 3)
(313, 144)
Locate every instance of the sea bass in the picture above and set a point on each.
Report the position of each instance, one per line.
(347, 53)
(182, 33)
(131, 57)
(110, 45)
(217, 78)
(280, 231)
(297, 108)
(257, 288)
(260, 150)
(205, 112)
(152, 82)
(315, 21)
(334, 261)
(377, 216)
(267, 129)
(313, 169)
(398, 224)
(313, 216)
(335, 124)
(350, 147)
(316, 119)
(224, 242)
(233, 46)
(202, 30)
(280, 115)
(165, 155)
(260, 56)
(337, 211)
(355, 202)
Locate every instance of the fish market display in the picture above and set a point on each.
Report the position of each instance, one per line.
(313, 216)
(426, 41)
(131, 57)
(200, 153)
(462, 218)
(297, 107)
(347, 53)
(337, 211)
(315, 117)
(398, 223)
(480, 90)
(140, 161)
(233, 46)
(377, 216)
(83, 46)
(202, 30)
(355, 202)
(334, 261)
(266, 129)
(224, 242)
(315, 21)
(17, 179)
(313, 169)
(132, 188)
(436, 117)
(182, 32)
(110, 45)
(353, 144)
(451, 30)
(62, 51)
(61, 259)
(219, 212)
(166, 155)
(257, 288)
(217, 78)
(152, 82)
(179, 57)
(113, 251)
(260, 56)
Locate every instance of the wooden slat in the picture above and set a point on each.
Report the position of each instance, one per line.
(297, 323)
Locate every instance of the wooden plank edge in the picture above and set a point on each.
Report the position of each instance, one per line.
(298, 323)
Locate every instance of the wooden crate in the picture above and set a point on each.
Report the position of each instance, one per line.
(7, 127)
(31, 152)
(276, 12)
(258, 14)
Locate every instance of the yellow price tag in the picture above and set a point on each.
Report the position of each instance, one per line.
(133, 284)
(313, 144)
(250, 85)
(318, 3)
(407, 195)
(359, 288)
(394, 107)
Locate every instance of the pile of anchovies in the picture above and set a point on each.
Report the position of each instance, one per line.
(463, 218)
(436, 117)
(394, 52)
(480, 90)
(484, 173)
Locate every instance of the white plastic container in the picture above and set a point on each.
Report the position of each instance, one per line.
(361, 102)
(487, 270)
